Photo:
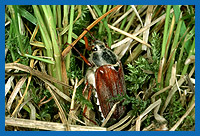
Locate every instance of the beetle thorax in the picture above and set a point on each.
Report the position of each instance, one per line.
(101, 55)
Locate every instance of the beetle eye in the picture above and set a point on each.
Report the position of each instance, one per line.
(94, 49)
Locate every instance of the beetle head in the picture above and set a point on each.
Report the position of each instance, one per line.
(98, 46)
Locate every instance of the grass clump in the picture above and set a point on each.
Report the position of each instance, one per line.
(36, 36)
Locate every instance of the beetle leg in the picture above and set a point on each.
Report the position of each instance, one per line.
(88, 98)
(90, 92)
(86, 61)
(86, 85)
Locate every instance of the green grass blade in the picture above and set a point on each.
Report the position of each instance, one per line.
(39, 58)
(124, 20)
(180, 59)
(54, 13)
(105, 25)
(57, 56)
(70, 36)
(14, 14)
(177, 12)
(45, 35)
(165, 34)
(65, 22)
(190, 53)
(101, 25)
(24, 13)
(59, 23)
(173, 52)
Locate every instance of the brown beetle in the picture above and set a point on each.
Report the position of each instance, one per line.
(106, 76)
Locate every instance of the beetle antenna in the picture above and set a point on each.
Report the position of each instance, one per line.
(86, 61)
(73, 48)
(90, 33)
